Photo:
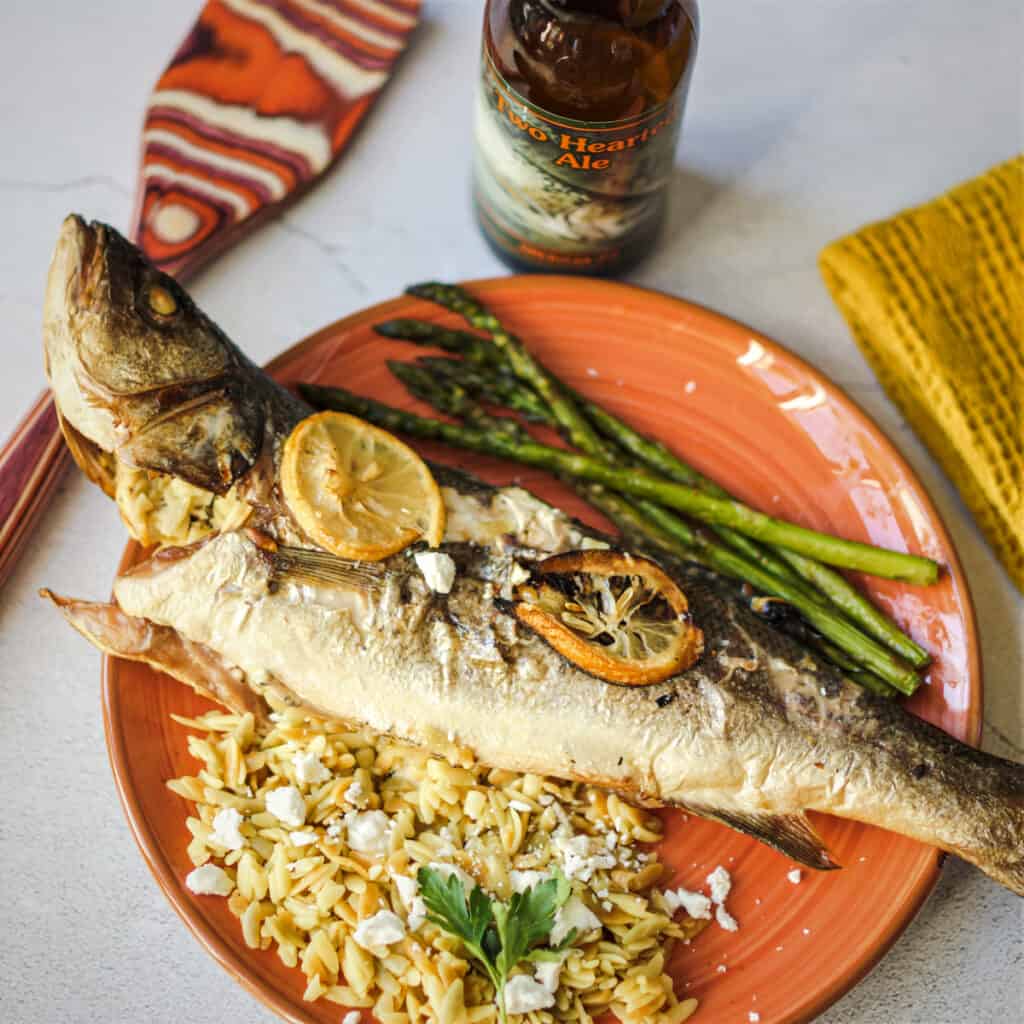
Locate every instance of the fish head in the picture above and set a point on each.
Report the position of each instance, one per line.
(138, 371)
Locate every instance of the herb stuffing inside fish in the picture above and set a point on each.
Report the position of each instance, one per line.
(166, 414)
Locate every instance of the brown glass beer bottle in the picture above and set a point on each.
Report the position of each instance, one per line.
(577, 120)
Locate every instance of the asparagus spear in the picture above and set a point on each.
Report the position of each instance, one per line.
(422, 332)
(518, 359)
(448, 396)
(782, 562)
(866, 651)
(492, 386)
(464, 343)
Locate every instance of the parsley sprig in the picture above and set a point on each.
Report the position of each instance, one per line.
(498, 935)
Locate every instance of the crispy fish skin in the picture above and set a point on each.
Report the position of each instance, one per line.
(754, 734)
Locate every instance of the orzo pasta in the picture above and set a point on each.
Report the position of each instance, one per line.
(332, 887)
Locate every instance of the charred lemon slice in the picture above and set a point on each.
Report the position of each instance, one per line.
(357, 490)
(616, 616)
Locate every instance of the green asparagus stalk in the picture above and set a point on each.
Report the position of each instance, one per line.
(421, 332)
(578, 431)
(493, 386)
(866, 651)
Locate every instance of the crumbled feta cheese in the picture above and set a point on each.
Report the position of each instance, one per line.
(309, 770)
(523, 880)
(302, 838)
(696, 904)
(607, 906)
(409, 890)
(725, 919)
(354, 792)
(574, 913)
(438, 570)
(720, 883)
(382, 929)
(518, 574)
(524, 995)
(519, 805)
(582, 856)
(209, 880)
(369, 832)
(352, 1017)
(447, 870)
(795, 875)
(225, 829)
(548, 973)
(287, 805)
(334, 829)
(545, 799)
(417, 914)
(753, 1017)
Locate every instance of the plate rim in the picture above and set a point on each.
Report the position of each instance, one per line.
(240, 967)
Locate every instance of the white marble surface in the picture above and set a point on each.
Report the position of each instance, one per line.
(806, 119)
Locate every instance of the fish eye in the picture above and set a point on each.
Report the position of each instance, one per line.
(161, 301)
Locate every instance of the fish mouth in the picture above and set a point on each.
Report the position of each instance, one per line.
(72, 287)
(79, 261)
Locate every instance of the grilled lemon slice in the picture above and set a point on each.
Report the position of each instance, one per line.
(616, 616)
(357, 490)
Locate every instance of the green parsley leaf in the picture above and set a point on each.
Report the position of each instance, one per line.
(445, 899)
(496, 934)
(528, 919)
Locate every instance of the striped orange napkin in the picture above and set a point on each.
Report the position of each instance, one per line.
(935, 300)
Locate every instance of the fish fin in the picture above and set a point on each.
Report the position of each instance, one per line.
(322, 569)
(791, 834)
(121, 635)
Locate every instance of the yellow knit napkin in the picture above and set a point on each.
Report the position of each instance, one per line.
(935, 300)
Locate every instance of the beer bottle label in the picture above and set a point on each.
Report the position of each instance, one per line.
(572, 194)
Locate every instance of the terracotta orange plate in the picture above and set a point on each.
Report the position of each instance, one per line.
(778, 434)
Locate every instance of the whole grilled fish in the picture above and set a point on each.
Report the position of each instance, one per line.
(165, 413)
